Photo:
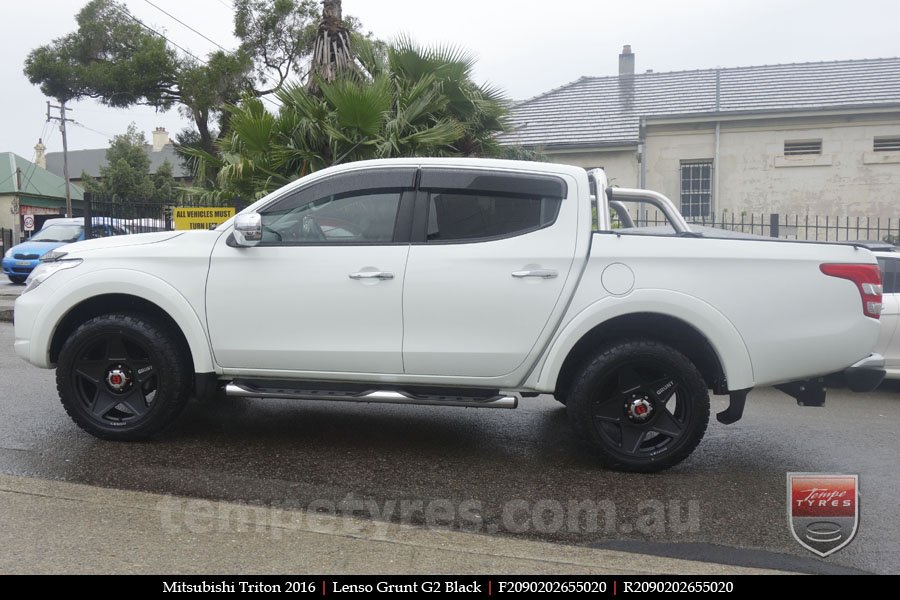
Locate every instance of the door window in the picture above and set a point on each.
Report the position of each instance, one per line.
(459, 215)
(354, 217)
(357, 208)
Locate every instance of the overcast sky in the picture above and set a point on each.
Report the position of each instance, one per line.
(524, 47)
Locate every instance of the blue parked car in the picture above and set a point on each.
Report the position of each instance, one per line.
(20, 260)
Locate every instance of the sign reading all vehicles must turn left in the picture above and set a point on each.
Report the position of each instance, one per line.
(202, 217)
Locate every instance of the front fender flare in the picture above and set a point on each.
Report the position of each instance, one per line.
(131, 283)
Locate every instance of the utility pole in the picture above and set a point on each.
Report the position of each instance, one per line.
(62, 127)
(17, 234)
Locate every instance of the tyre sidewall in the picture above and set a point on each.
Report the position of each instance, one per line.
(600, 366)
(172, 375)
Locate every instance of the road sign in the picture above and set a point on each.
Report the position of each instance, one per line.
(202, 217)
(28, 222)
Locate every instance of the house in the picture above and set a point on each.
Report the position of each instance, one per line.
(28, 189)
(805, 138)
(89, 161)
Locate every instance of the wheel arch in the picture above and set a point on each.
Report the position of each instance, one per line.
(107, 304)
(133, 292)
(663, 328)
(690, 325)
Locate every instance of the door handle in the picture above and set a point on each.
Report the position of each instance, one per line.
(541, 273)
(372, 275)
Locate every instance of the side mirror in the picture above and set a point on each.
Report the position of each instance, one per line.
(248, 229)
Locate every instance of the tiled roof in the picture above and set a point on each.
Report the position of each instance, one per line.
(607, 110)
(90, 161)
(35, 181)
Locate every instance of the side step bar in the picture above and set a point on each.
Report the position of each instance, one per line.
(245, 390)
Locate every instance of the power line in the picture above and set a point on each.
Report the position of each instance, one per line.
(155, 32)
(103, 133)
(33, 157)
(33, 167)
(171, 16)
(186, 51)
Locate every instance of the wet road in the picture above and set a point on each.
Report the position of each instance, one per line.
(497, 471)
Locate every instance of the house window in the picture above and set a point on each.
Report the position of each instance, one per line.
(802, 147)
(887, 144)
(696, 188)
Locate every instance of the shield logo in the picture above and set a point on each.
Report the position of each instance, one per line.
(823, 510)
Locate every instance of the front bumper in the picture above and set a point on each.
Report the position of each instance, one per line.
(19, 268)
(865, 375)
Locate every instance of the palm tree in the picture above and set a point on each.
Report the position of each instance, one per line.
(405, 101)
(332, 53)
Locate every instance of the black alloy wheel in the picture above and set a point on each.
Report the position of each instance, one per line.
(641, 405)
(123, 376)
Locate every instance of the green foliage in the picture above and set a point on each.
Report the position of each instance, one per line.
(113, 58)
(109, 57)
(413, 102)
(276, 34)
(520, 153)
(126, 176)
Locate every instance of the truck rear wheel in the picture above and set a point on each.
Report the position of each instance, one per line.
(640, 406)
(123, 376)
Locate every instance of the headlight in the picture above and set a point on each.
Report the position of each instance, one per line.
(43, 271)
(52, 256)
(8, 253)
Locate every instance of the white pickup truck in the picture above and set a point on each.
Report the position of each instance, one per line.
(453, 282)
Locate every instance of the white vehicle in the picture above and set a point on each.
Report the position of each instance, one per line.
(889, 341)
(453, 282)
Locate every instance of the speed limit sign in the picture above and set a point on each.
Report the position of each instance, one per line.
(28, 222)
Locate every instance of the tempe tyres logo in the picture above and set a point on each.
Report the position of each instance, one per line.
(823, 510)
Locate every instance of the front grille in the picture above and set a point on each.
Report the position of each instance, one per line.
(22, 270)
(26, 256)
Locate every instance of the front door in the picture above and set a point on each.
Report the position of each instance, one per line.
(323, 291)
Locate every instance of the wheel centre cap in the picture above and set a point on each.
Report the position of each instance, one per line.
(639, 409)
(118, 378)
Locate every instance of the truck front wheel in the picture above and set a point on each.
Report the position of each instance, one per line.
(639, 405)
(123, 376)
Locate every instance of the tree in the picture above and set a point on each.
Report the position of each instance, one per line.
(332, 53)
(115, 59)
(407, 101)
(277, 35)
(126, 176)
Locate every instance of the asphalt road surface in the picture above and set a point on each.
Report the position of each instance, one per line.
(499, 472)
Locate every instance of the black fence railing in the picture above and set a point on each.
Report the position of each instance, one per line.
(111, 216)
(104, 217)
(6, 240)
(793, 227)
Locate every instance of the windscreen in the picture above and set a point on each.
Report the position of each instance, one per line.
(58, 233)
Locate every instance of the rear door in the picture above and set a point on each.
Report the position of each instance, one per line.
(490, 257)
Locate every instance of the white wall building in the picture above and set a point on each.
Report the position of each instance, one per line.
(799, 139)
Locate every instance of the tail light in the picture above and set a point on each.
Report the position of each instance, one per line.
(867, 279)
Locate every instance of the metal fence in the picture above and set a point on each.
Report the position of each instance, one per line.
(792, 227)
(6, 240)
(103, 217)
(106, 216)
